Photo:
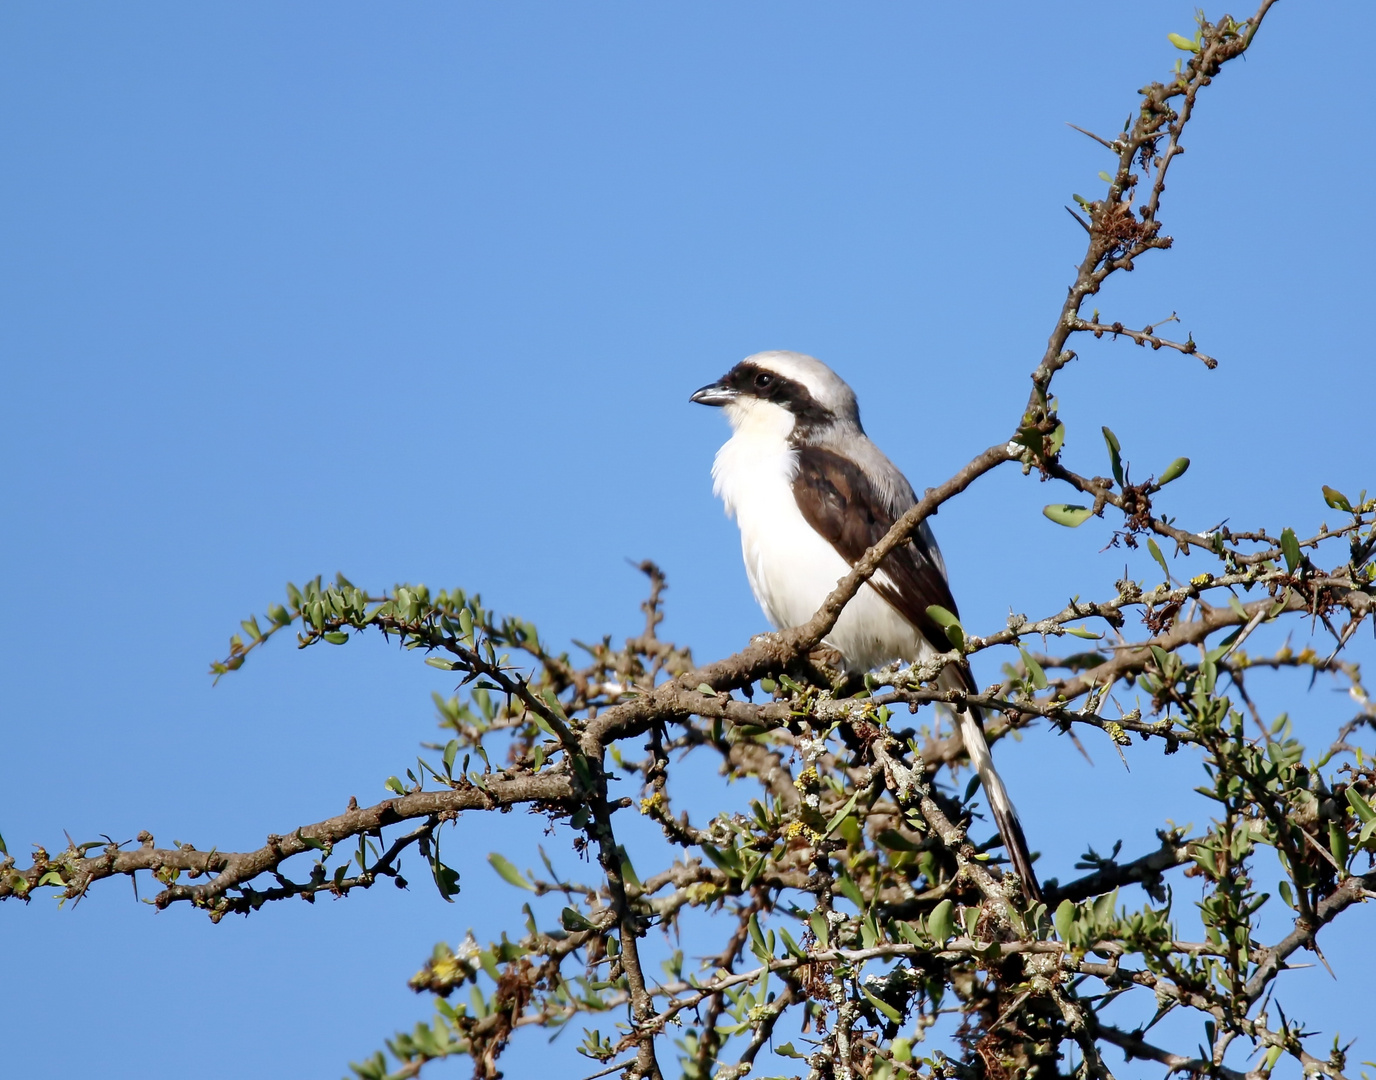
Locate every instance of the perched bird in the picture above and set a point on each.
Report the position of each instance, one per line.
(811, 494)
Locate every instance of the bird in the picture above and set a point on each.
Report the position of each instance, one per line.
(811, 494)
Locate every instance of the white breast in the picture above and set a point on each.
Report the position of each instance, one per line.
(791, 568)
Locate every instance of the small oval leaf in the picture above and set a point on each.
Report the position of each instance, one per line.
(883, 1006)
(1067, 514)
(1034, 670)
(1064, 919)
(1290, 548)
(941, 616)
(508, 872)
(1331, 496)
(1160, 559)
(1174, 471)
(940, 922)
(1115, 455)
(1360, 807)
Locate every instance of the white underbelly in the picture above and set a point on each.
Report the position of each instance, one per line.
(792, 570)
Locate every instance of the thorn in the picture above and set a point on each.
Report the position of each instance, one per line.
(1101, 141)
(1083, 223)
(1081, 747)
(1319, 953)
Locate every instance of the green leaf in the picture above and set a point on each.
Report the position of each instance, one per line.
(393, 784)
(941, 921)
(757, 939)
(509, 873)
(896, 841)
(572, 920)
(336, 637)
(1174, 471)
(628, 873)
(786, 1050)
(1286, 894)
(1034, 669)
(446, 880)
(794, 949)
(1105, 177)
(1067, 514)
(541, 723)
(947, 620)
(821, 929)
(851, 891)
(1064, 919)
(941, 616)
(909, 933)
(1337, 842)
(1336, 499)
(882, 1005)
(754, 872)
(1361, 807)
(1115, 455)
(1290, 548)
(1183, 43)
(843, 813)
(451, 751)
(728, 861)
(1081, 632)
(1160, 559)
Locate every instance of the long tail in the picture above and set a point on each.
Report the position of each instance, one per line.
(1005, 816)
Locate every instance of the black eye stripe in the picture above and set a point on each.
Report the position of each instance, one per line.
(751, 380)
(769, 385)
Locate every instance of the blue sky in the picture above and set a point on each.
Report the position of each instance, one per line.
(419, 293)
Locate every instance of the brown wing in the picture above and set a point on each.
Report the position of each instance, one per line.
(838, 500)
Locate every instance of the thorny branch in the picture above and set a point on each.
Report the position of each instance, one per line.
(855, 880)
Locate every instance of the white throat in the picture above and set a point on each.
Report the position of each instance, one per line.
(754, 467)
(759, 418)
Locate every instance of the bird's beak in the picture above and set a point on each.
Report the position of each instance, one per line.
(714, 394)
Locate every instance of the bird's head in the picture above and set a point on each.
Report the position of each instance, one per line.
(784, 391)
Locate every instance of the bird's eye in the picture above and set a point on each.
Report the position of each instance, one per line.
(764, 380)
